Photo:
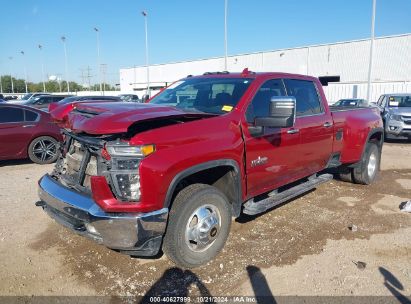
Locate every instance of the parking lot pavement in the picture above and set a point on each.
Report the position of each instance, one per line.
(304, 247)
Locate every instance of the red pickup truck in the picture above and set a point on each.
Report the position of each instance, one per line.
(170, 175)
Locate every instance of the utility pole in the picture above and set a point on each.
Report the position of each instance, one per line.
(83, 81)
(11, 75)
(225, 34)
(103, 68)
(63, 38)
(25, 70)
(374, 5)
(144, 13)
(98, 56)
(42, 67)
(88, 76)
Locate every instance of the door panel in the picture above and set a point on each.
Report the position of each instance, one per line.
(272, 160)
(315, 125)
(272, 156)
(14, 136)
(316, 142)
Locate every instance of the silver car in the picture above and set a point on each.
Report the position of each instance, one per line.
(396, 114)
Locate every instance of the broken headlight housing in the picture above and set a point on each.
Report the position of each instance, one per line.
(124, 172)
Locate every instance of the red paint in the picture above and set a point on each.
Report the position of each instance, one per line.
(16, 137)
(184, 145)
(103, 196)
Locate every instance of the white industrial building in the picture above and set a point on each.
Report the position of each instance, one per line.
(344, 65)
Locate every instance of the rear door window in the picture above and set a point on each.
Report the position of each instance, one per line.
(9, 114)
(31, 116)
(306, 95)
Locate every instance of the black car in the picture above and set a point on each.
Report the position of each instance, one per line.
(43, 101)
(88, 98)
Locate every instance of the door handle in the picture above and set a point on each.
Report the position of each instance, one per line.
(293, 131)
(327, 124)
(28, 126)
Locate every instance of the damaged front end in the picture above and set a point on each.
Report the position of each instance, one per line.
(95, 191)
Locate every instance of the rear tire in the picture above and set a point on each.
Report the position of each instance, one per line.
(369, 166)
(43, 150)
(198, 226)
(346, 175)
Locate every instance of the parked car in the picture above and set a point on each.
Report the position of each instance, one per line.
(80, 99)
(43, 101)
(170, 174)
(27, 132)
(10, 98)
(29, 96)
(351, 102)
(129, 98)
(396, 113)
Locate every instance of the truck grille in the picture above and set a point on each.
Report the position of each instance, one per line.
(77, 164)
(407, 120)
(74, 157)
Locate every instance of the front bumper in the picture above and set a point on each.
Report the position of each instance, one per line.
(397, 128)
(137, 234)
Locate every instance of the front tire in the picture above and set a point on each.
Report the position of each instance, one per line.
(43, 150)
(368, 169)
(198, 226)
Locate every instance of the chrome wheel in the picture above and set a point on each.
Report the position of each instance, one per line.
(45, 150)
(372, 165)
(203, 228)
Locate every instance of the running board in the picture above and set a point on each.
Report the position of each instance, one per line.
(252, 208)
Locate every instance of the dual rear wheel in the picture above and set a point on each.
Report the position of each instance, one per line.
(367, 169)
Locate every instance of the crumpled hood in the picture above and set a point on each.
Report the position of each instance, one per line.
(111, 117)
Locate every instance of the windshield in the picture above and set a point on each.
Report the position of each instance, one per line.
(32, 100)
(208, 95)
(26, 97)
(400, 101)
(68, 100)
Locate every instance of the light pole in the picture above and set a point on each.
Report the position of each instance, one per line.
(225, 34)
(98, 56)
(25, 70)
(42, 67)
(11, 74)
(374, 5)
(144, 13)
(63, 38)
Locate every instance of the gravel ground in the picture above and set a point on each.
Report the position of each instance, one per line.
(304, 247)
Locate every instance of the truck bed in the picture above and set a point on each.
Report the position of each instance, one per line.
(351, 128)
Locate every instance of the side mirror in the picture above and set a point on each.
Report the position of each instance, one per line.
(281, 111)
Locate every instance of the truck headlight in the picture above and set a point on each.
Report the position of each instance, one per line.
(120, 149)
(124, 171)
(395, 117)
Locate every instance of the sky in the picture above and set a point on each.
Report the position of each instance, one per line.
(178, 30)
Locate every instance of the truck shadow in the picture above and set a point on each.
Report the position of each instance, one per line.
(262, 291)
(15, 162)
(394, 286)
(176, 282)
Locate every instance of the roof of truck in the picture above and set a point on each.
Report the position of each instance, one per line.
(250, 74)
